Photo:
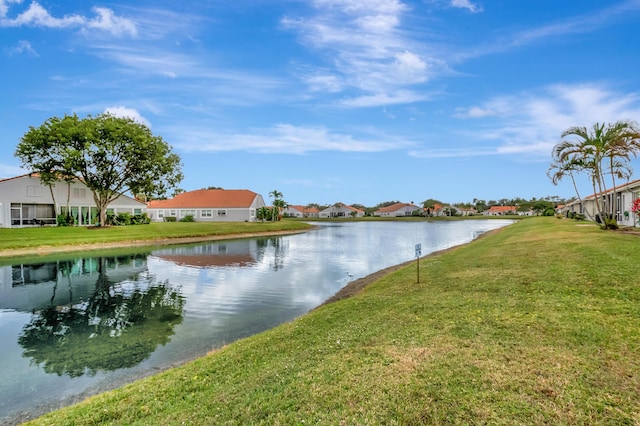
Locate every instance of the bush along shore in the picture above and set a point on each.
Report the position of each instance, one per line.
(534, 324)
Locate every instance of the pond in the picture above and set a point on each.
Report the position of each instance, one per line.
(84, 324)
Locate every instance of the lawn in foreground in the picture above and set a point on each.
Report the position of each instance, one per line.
(535, 324)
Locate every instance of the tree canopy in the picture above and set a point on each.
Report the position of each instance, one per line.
(110, 155)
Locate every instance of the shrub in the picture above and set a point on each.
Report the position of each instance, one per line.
(64, 220)
(123, 219)
(140, 219)
(169, 218)
(187, 218)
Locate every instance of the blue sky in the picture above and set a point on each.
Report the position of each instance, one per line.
(354, 101)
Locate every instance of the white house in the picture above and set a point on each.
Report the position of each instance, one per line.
(398, 209)
(25, 202)
(209, 205)
(341, 210)
(622, 199)
(500, 210)
(301, 211)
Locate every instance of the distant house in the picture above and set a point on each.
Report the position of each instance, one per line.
(500, 210)
(398, 209)
(341, 210)
(208, 205)
(301, 211)
(463, 211)
(25, 202)
(439, 210)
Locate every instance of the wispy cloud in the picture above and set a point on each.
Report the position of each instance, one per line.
(587, 23)
(369, 51)
(466, 4)
(37, 16)
(23, 46)
(529, 124)
(288, 139)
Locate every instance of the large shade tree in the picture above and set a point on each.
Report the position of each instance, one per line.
(110, 155)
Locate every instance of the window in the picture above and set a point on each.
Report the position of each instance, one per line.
(206, 213)
(160, 214)
(173, 213)
(184, 213)
(79, 193)
(222, 212)
(137, 211)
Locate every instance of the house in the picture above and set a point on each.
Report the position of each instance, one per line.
(341, 210)
(500, 210)
(26, 202)
(398, 209)
(464, 211)
(301, 211)
(208, 205)
(622, 199)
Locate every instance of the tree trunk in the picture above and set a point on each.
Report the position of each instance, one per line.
(102, 201)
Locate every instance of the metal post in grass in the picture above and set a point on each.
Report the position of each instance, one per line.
(418, 254)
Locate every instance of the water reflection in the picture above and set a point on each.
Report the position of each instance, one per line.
(102, 314)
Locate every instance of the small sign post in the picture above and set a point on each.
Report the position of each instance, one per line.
(418, 254)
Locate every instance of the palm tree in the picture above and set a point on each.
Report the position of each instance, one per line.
(560, 169)
(603, 149)
(277, 195)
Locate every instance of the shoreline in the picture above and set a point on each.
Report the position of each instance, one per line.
(354, 287)
(159, 242)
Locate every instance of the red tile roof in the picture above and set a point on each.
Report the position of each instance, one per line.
(207, 198)
(395, 207)
(502, 209)
(304, 209)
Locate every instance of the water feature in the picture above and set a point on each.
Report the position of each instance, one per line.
(83, 324)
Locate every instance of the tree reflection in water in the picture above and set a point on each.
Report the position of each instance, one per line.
(118, 326)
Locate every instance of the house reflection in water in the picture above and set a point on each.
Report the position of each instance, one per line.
(238, 253)
(30, 287)
(90, 314)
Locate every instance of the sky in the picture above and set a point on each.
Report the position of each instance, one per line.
(326, 101)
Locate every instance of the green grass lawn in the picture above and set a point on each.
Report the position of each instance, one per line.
(536, 324)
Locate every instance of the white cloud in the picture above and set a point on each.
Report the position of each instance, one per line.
(587, 23)
(124, 112)
(36, 15)
(287, 138)
(370, 52)
(530, 123)
(105, 20)
(23, 46)
(382, 99)
(4, 6)
(466, 4)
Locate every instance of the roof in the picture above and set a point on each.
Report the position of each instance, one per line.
(207, 198)
(502, 208)
(342, 205)
(396, 207)
(304, 209)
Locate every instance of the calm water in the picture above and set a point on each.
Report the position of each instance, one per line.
(82, 325)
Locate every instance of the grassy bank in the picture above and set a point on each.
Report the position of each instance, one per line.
(24, 238)
(535, 324)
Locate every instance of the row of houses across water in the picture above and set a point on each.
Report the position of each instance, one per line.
(25, 201)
